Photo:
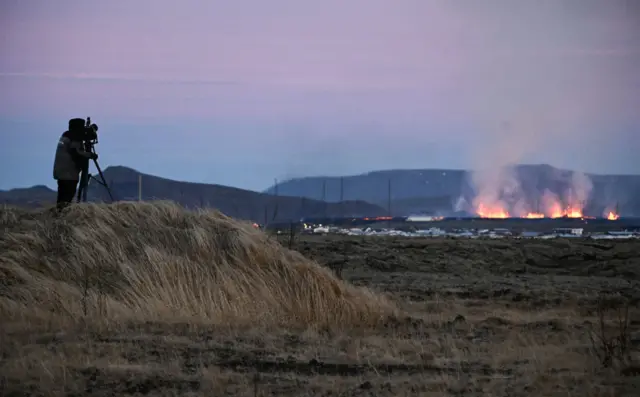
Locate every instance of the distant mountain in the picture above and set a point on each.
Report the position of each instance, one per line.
(374, 185)
(240, 203)
(438, 190)
(28, 197)
(430, 191)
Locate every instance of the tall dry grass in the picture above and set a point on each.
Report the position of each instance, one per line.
(159, 262)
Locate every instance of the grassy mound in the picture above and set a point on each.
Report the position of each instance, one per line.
(159, 262)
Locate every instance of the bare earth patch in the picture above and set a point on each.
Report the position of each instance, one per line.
(437, 317)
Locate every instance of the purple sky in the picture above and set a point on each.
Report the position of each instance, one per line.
(241, 92)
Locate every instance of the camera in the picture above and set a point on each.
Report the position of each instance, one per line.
(90, 131)
(84, 129)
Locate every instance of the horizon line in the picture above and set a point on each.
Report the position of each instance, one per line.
(280, 181)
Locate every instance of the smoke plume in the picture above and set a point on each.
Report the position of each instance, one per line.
(579, 191)
(499, 193)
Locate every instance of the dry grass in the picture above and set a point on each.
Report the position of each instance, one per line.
(158, 262)
(150, 299)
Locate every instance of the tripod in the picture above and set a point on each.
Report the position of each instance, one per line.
(85, 176)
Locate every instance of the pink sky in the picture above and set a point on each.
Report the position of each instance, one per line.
(561, 74)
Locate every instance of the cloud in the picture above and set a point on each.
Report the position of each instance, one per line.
(604, 52)
(114, 77)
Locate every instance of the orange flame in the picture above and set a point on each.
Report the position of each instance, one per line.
(573, 213)
(549, 206)
(612, 216)
(487, 212)
(555, 211)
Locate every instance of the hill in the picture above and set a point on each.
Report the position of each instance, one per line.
(158, 260)
(28, 197)
(129, 266)
(438, 190)
(239, 203)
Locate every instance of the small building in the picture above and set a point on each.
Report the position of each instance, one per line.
(423, 218)
(434, 231)
(568, 231)
(321, 230)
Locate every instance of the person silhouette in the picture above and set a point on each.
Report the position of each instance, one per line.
(69, 161)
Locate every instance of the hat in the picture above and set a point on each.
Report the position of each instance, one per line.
(76, 124)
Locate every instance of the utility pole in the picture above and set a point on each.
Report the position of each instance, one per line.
(324, 198)
(277, 197)
(139, 187)
(342, 196)
(389, 203)
(266, 216)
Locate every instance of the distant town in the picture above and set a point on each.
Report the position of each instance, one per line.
(472, 233)
(423, 226)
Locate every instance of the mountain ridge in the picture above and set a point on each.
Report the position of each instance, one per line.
(436, 191)
(236, 202)
(439, 190)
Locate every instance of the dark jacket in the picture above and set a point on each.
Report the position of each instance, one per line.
(70, 157)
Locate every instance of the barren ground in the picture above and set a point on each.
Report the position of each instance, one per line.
(496, 318)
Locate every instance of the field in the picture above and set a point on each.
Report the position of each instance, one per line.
(150, 299)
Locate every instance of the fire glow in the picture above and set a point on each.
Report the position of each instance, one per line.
(612, 216)
(497, 212)
(494, 213)
(555, 212)
(500, 194)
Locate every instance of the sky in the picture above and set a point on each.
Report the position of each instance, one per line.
(239, 93)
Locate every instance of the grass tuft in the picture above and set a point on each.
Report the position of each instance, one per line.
(159, 262)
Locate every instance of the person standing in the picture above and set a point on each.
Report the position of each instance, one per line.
(69, 161)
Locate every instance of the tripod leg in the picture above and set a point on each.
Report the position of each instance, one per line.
(86, 187)
(82, 186)
(103, 182)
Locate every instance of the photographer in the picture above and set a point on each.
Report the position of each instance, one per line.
(70, 160)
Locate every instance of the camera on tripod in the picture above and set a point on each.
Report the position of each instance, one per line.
(90, 138)
(90, 132)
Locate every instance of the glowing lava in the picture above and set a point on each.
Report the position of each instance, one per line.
(496, 213)
(555, 211)
(570, 212)
(573, 213)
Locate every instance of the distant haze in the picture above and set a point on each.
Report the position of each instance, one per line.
(242, 92)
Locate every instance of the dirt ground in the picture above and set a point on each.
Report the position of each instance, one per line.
(486, 318)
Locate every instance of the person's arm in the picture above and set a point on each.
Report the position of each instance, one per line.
(76, 148)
